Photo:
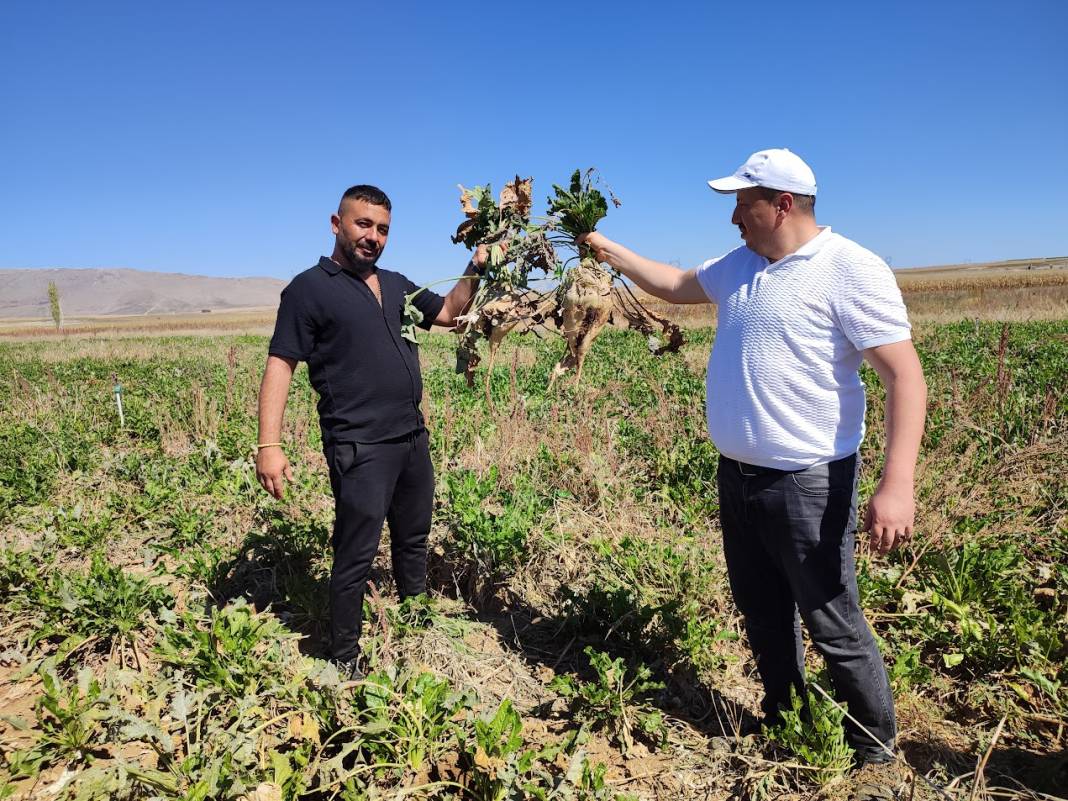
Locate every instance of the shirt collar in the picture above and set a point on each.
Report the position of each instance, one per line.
(812, 246)
(333, 268)
(329, 265)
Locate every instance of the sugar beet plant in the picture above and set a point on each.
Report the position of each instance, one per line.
(521, 250)
(69, 719)
(594, 514)
(811, 730)
(104, 607)
(616, 700)
(235, 712)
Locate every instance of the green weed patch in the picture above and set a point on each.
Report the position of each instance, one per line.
(166, 612)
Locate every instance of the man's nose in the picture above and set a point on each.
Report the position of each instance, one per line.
(736, 218)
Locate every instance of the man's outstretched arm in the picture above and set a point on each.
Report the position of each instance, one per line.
(662, 280)
(460, 295)
(272, 466)
(892, 509)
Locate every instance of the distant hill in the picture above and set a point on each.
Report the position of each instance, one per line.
(107, 292)
(95, 292)
(1035, 266)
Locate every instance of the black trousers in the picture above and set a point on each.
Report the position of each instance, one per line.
(384, 481)
(788, 539)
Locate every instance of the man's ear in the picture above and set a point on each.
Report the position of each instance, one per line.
(785, 202)
(335, 223)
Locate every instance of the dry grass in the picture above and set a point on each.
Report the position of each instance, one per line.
(942, 296)
(993, 291)
(241, 321)
(951, 271)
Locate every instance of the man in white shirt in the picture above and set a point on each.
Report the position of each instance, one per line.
(799, 307)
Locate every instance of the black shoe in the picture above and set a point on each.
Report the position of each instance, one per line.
(862, 759)
(348, 669)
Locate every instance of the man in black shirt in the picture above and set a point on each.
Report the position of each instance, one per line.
(343, 317)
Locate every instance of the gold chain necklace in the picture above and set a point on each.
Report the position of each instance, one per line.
(371, 281)
(375, 287)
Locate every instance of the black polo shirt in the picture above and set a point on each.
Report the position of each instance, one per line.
(366, 373)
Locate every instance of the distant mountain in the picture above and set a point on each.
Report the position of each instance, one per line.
(93, 292)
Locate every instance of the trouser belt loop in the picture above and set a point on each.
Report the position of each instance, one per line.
(745, 469)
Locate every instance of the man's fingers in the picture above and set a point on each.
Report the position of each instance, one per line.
(889, 538)
(273, 484)
(288, 471)
(879, 536)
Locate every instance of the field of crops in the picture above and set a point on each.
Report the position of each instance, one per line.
(161, 618)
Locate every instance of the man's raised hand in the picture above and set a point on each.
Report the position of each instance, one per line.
(595, 241)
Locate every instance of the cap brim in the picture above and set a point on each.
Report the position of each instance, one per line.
(730, 184)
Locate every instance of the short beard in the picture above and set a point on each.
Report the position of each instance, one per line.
(358, 261)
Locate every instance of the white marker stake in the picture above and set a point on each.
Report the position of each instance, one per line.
(118, 403)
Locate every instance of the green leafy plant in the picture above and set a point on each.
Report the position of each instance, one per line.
(492, 524)
(579, 207)
(30, 463)
(583, 302)
(229, 651)
(811, 729)
(406, 718)
(908, 669)
(418, 613)
(653, 600)
(69, 718)
(105, 605)
(616, 700)
(987, 618)
(495, 756)
(19, 573)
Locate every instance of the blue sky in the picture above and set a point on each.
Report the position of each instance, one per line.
(216, 137)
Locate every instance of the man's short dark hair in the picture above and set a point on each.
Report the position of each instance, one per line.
(369, 194)
(803, 203)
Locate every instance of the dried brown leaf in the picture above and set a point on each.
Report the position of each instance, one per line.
(462, 230)
(469, 209)
(518, 193)
(267, 791)
(304, 728)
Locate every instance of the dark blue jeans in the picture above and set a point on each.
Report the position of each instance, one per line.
(788, 540)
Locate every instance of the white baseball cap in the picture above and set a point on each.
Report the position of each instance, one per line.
(777, 168)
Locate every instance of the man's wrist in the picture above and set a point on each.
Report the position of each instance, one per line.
(261, 445)
(897, 482)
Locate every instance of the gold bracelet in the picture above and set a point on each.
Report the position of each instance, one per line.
(268, 445)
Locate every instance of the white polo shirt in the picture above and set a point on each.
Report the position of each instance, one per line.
(782, 386)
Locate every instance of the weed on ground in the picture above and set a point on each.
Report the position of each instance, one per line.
(162, 620)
